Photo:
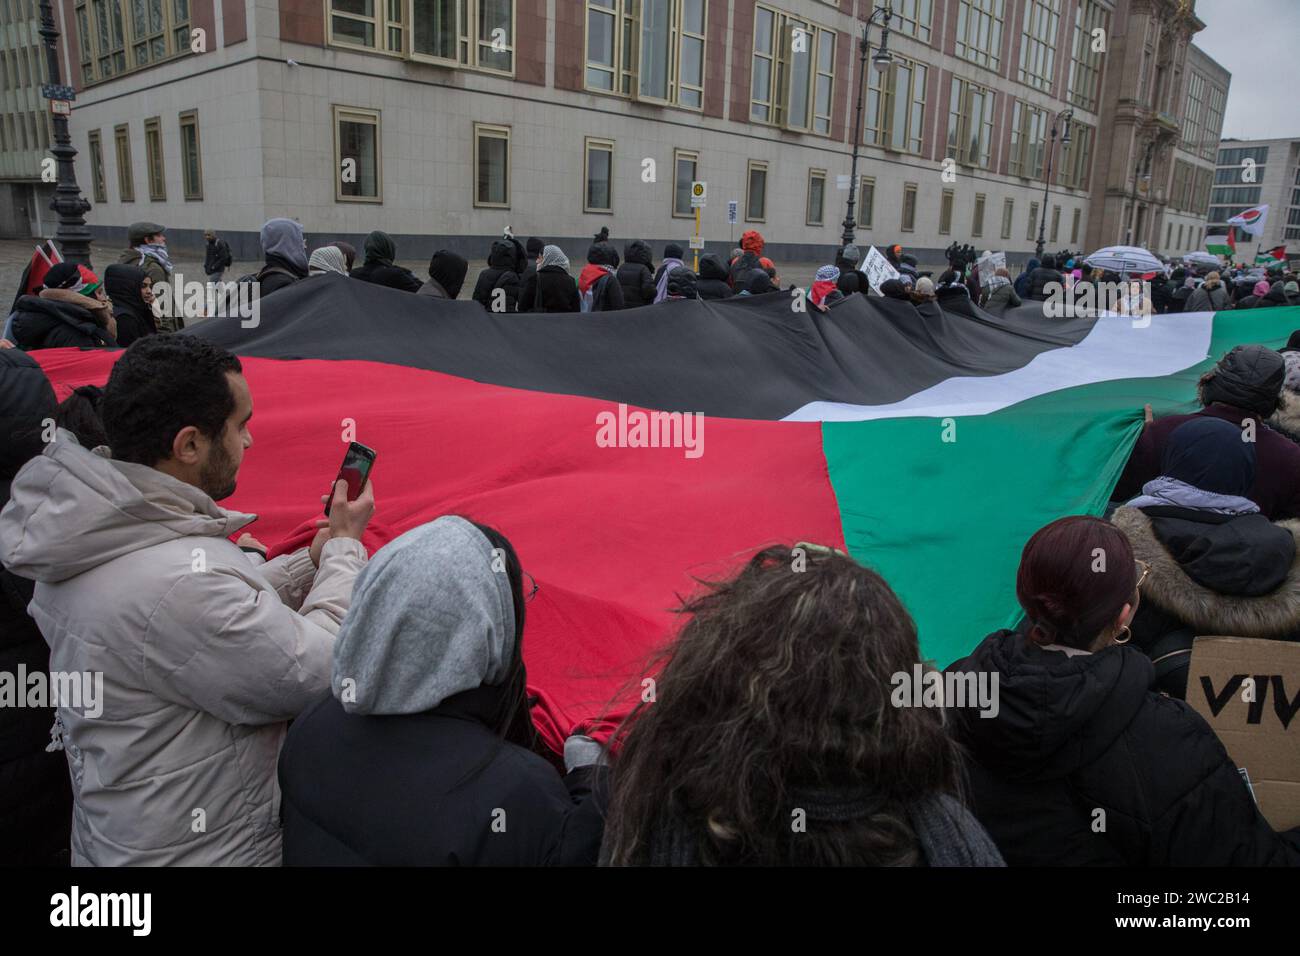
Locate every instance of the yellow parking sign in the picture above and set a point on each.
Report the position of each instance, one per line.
(698, 193)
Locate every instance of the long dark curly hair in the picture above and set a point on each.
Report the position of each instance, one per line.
(778, 687)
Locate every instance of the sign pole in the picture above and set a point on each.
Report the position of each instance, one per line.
(697, 238)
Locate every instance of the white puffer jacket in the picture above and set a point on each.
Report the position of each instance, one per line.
(204, 655)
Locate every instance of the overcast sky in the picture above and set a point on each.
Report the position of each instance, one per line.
(1255, 40)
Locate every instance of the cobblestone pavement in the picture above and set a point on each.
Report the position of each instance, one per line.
(16, 253)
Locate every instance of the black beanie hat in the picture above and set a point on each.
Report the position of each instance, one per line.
(672, 251)
(535, 247)
(1249, 377)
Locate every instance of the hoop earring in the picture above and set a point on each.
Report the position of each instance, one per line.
(1125, 629)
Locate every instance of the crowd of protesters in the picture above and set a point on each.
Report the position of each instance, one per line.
(317, 704)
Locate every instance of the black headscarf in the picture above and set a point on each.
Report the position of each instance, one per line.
(1249, 377)
(759, 283)
(379, 247)
(122, 283)
(1208, 453)
(448, 270)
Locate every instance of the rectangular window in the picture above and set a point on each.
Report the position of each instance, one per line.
(1169, 235)
(650, 50)
(685, 166)
(895, 111)
(1074, 226)
(792, 72)
(492, 166)
(125, 174)
(909, 207)
(1193, 129)
(1213, 122)
(154, 160)
(979, 32)
(1008, 211)
(977, 218)
(866, 201)
(97, 168)
(119, 36)
(816, 197)
(1085, 59)
(1056, 224)
(191, 161)
(1028, 140)
(756, 192)
(1038, 45)
(945, 213)
(479, 34)
(356, 155)
(1033, 220)
(970, 124)
(598, 175)
(1076, 157)
(911, 17)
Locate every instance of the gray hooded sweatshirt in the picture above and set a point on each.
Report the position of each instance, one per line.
(283, 237)
(431, 616)
(203, 655)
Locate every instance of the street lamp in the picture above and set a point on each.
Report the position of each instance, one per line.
(881, 61)
(1063, 118)
(72, 236)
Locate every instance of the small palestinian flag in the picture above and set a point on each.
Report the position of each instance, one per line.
(1276, 254)
(628, 454)
(45, 256)
(1221, 245)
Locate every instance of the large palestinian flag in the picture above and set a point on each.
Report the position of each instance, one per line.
(929, 443)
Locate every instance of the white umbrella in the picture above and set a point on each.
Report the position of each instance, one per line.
(1124, 259)
(1203, 259)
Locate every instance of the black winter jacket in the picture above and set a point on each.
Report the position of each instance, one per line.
(1230, 575)
(851, 280)
(216, 257)
(278, 273)
(636, 276)
(387, 274)
(712, 283)
(1038, 280)
(43, 323)
(437, 788)
(551, 289)
(35, 792)
(502, 271)
(1075, 735)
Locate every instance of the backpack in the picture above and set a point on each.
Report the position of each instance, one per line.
(742, 270)
(596, 293)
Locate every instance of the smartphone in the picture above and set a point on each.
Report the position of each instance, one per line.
(357, 462)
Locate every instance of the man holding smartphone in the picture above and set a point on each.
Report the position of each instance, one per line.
(204, 656)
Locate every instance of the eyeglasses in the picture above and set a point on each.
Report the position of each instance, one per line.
(532, 587)
(1144, 569)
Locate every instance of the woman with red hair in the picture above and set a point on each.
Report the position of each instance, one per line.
(1082, 763)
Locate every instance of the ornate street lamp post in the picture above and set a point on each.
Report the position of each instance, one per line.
(72, 237)
(1063, 118)
(881, 60)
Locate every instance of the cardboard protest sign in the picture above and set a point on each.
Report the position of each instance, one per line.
(877, 269)
(1248, 690)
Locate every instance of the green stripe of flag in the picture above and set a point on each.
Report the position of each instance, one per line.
(945, 521)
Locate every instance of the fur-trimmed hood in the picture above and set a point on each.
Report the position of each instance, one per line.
(1287, 417)
(1201, 608)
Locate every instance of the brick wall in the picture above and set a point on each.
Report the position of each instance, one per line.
(301, 21)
